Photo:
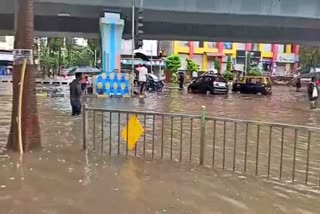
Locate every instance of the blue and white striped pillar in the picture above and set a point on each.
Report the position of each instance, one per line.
(111, 27)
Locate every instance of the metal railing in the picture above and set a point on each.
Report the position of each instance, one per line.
(273, 150)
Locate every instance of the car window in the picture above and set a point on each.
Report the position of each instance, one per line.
(199, 80)
(256, 80)
(220, 79)
(259, 81)
(207, 79)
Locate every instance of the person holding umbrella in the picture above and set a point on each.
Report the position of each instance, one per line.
(75, 95)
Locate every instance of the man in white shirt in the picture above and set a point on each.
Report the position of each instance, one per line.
(143, 71)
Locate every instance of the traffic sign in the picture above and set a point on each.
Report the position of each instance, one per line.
(132, 132)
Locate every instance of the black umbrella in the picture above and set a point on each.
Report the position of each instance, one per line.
(141, 55)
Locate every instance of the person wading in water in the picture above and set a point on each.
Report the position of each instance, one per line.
(313, 93)
(75, 95)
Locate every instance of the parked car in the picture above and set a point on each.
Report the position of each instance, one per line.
(209, 84)
(253, 85)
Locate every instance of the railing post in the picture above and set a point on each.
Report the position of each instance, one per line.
(202, 134)
(84, 126)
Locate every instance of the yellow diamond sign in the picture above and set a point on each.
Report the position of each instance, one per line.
(132, 132)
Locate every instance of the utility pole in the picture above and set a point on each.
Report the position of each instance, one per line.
(24, 38)
(133, 45)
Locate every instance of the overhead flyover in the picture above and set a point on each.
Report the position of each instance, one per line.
(270, 21)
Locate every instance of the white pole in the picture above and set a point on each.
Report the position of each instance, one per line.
(151, 57)
(246, 63)
(133, 41)
(95, 57)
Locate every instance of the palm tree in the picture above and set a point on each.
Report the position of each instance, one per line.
(31, 138)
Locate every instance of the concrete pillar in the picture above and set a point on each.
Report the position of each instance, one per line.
(111, 29)
(220, 47)
(296, 49)
(274, 49)
(288, 49)
(220, 50)
(191, 50)
(204, 62)
(111, 83)
(248, 46)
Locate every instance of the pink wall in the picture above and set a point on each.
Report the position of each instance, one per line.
(296, 49)
(191, 50)
(274, 49)
(220, 47)
(248, 46)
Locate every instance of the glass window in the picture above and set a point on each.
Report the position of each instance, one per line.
(241, 46)
(212, 44)
(220, 79)
(281, 48)
(227, 45)
(255, 47)
(183, 43)
(199, 80)
(207, 79)
(267, 47)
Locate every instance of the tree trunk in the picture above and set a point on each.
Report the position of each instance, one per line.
(31, 138)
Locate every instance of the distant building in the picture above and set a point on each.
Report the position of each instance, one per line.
(271, 57)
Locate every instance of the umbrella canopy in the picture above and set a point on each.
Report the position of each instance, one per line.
(84, 70)
(140, 54)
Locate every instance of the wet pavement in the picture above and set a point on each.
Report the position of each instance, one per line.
(62, 179)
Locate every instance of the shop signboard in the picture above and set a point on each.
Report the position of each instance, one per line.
(286, 58)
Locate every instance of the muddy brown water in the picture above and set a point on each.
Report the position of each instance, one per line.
(62, 179)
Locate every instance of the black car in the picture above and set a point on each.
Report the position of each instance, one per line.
(212, 84)
(253, 85)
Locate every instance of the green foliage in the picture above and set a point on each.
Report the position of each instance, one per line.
(217, 64)
(309, 57)
(173, 63)
(254, 72)
(228, 75)
(174, 78)
(229, 63)
(248, 63)
(57, 53)
(192, 66)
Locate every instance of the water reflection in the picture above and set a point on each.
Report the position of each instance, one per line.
(129, 173)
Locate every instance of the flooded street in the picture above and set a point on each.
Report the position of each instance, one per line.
(61, 179)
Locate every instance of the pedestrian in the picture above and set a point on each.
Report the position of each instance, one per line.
(143, 71)
(84, 83)
(75, 95)
(181, 79)
(298, 84)
(313, 93)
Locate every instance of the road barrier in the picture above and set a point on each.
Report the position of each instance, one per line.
(272, 150)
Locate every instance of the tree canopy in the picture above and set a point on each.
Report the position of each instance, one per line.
(309, 57)
(173, 63)
(192, 66)
(57, 53)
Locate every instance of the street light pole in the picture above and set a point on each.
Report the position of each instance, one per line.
(133, 42)
(246, 63)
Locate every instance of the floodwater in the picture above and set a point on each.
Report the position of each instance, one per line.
(61, 179)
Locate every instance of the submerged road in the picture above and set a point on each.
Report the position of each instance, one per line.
(60, 179)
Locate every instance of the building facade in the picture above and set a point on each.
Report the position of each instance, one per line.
(271, 57)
